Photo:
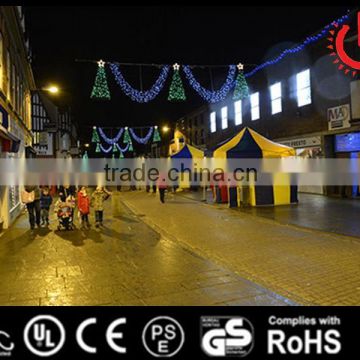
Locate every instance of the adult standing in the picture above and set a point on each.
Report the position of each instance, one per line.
(31, 197)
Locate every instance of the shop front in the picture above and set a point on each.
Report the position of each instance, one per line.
(346, 146)
(310, 147)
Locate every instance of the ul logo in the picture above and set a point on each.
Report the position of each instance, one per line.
(44, 335)
(337, 39)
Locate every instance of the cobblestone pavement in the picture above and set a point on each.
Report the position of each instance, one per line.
(126, 263)
(346, 221)
(305, 265)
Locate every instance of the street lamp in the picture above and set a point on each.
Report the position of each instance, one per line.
(165, 129)
(52, 89)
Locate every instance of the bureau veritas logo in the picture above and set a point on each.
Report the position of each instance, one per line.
(226, 336)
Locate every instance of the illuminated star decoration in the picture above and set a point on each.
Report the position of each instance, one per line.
(176, 91)
(342, 60)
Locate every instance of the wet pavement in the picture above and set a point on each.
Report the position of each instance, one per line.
(307, 266)
(125, 263)
(341, 216)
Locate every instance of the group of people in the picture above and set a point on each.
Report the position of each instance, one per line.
(38, 201)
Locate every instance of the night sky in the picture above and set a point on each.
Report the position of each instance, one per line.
(187, 35)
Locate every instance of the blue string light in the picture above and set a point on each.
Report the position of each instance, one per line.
(307, 41)
(125, 149)
(212, 96)
(143, 140)
(136, 95)
(109, 140)
(106, 150)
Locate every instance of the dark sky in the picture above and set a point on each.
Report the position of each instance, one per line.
(192, 35)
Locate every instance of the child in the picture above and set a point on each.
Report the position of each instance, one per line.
(45, 202)
(97, 200)
(84, 206)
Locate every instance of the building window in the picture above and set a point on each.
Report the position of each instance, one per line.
(255, 106)
(13, 86)
(238, 112)
(275, 94)
(1, 62)
(303, 88)
(224, 117)
(213, 122)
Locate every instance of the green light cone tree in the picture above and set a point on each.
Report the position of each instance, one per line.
(130, 146)
(95, 136)
(100, 89)
(176, 91)
(241, 87)
(121, 155)
(114, 149)
(97, 150)
(127, 137)
(156, 137)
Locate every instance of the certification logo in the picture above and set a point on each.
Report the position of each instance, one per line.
(223, 336)
(44, 335)
(163, 336)
(6, 345)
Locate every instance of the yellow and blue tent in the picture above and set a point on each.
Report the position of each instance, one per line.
(189, 153)
(249, 144)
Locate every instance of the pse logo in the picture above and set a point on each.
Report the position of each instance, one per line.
(226, 336)
(163, 336)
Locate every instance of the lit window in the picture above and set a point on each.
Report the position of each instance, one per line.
(224, 117)
(255, 107)
(238, 112)
(275, 93)
(213, 121)
(303, 88)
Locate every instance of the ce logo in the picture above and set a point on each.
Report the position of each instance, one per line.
(110, 335)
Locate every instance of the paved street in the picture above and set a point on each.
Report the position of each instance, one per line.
(305, 265)
(126, 263)
(314, 211)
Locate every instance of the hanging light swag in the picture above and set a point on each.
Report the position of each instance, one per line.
(137, 95)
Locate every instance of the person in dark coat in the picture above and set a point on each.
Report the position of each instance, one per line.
(45, 202)
(33, 207)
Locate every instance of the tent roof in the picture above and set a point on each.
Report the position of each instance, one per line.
(249, 143)
(187, 152)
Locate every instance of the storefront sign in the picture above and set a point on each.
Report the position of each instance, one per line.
(303, 142)
(339, 117)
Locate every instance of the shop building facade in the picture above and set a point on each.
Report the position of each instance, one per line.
(304, 101)
(16, 83)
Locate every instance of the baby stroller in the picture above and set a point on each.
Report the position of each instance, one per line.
(65, 218)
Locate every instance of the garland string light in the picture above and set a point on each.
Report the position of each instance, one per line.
(106, 151)
(208, 95)
(100, 89)
(144, 139)
(136, 95)
(293, 50)
(176, 91)
(125, 149)
(109, 140)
